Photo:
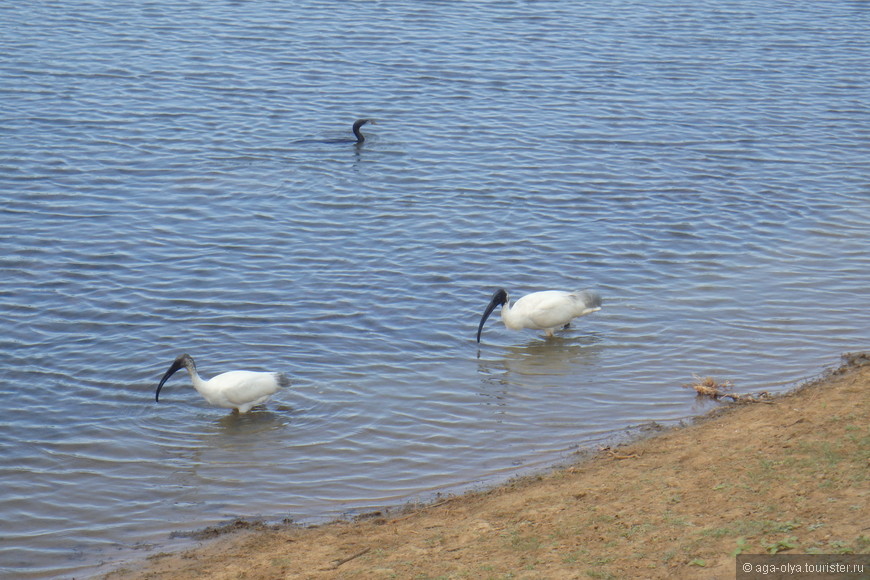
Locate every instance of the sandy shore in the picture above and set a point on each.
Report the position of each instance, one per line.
(786, 475)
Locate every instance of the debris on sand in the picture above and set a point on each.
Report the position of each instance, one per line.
(232, 526)
(710, 387)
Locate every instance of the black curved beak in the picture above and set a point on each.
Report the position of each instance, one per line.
(498, 299)
(177, 364)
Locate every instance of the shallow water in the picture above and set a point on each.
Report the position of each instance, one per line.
(168, 186)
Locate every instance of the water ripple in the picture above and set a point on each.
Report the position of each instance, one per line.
(169, 185)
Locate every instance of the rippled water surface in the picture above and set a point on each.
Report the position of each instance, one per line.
(170, 184)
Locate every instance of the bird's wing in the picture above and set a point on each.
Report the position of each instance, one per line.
(548, 309)
(587, 301)
(554, 308)
(246, 386)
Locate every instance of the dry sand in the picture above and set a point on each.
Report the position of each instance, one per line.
(788, 475)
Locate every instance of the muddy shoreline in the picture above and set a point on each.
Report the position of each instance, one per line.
(788, 474)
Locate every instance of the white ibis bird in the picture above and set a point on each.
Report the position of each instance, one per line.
(237, 390)
(547, 310)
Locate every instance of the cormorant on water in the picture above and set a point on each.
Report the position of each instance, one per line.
(359, 123)
(360, 138)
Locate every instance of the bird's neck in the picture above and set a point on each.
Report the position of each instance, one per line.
(197, 381)
(507, 316)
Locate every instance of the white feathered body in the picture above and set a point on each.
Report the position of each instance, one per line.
(549, 310)
(240, 390)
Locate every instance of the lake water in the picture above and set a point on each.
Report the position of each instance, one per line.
(169, 185)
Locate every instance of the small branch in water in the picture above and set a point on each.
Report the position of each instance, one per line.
(709, 387)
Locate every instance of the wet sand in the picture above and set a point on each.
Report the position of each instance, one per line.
(786, 475)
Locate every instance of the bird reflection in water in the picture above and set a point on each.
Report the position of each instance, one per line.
(557, 356)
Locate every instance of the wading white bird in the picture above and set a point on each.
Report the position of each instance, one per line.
(236, 390)
(547, 310)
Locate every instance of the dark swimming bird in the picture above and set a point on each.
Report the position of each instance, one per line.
(360, 138)
(359, 123)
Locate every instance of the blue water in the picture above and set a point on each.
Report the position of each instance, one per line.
(170, 184)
